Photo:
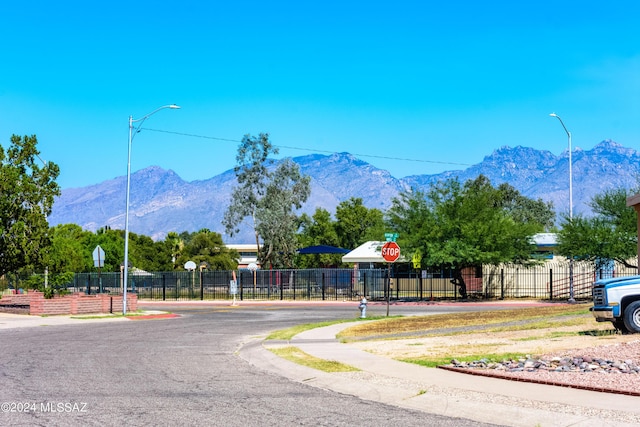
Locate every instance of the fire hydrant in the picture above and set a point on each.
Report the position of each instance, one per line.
(363, 308)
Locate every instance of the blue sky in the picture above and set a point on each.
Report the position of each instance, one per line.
(434, 85)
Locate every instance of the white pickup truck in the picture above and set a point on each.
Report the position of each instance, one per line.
(617, 300)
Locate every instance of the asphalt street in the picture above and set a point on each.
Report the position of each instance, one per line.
(182, 371)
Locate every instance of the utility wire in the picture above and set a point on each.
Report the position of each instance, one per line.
(312, 150)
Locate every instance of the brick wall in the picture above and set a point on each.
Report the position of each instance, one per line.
(77, 303)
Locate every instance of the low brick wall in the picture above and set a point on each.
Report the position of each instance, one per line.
(77, 303)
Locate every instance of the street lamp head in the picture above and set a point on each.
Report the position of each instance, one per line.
(174, 107)
(553, 115)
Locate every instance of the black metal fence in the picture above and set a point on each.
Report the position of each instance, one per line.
(315, 284)
(551, 281)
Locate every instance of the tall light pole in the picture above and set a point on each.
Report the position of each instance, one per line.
(125, 266)
(571, 298)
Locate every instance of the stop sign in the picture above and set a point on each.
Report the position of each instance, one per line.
(391, 251)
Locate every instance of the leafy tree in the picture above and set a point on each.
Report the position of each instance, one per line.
(356, 224)
(70, 250)
(175, 245)
(112, 242)
(460, 226)
(145, 253)
(318, 230)
(269, 196)
(28, 192)
(412, 218)
(611, 234)
(525, 210)
(278, 222)
(207, 246)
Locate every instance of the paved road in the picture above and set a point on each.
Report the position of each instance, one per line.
(182, 371)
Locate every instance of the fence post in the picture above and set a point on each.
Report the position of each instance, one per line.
(551, 284)
(364, 284)
(201, 285)
(352, 283)
(293, 282)
(164, 287)
(502, 283)
(397, 282)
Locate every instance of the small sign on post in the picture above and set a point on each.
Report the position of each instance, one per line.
(98, 257)
(391, 237)
(98, 261)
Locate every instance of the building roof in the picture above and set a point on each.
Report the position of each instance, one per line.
(545, 239)
(367, 252)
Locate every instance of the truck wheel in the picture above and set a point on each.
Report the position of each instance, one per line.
(631, 317)
(619, 325)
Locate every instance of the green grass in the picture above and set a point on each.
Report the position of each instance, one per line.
(97, 316)
(294, 354)
(288, 333)
(107, 315)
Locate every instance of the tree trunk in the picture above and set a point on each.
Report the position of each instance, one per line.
(458, 280)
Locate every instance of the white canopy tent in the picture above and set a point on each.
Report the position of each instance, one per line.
(367, 252)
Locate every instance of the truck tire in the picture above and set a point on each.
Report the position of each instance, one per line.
(631, 317)
(619, 325)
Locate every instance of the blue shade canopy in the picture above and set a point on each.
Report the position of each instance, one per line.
(323, 249)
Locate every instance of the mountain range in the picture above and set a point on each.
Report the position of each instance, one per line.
(161, 201)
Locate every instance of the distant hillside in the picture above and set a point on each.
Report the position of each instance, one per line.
(162, 202)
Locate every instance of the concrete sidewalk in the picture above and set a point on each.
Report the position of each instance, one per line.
(11, 321)
(451, 394)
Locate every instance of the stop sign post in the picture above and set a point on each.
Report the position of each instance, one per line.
(390, 252)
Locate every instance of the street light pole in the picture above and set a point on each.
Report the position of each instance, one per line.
(126, 215)
(571, 296)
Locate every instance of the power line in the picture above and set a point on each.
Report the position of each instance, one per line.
(312, 150)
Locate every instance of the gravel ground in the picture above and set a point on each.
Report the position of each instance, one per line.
(627, 383)
(615, 350)
(609, 379)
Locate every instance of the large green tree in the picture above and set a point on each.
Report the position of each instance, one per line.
(27, 191)
(610, 234)
(112, 242)
(458, 226)
(70, 249)
(318, 229)
(270, 195)
(207, 247)
(357, 224)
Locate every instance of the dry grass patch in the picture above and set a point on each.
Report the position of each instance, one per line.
(421, 324)
(505, 334)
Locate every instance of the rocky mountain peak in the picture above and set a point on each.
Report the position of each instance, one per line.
(161, 201)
